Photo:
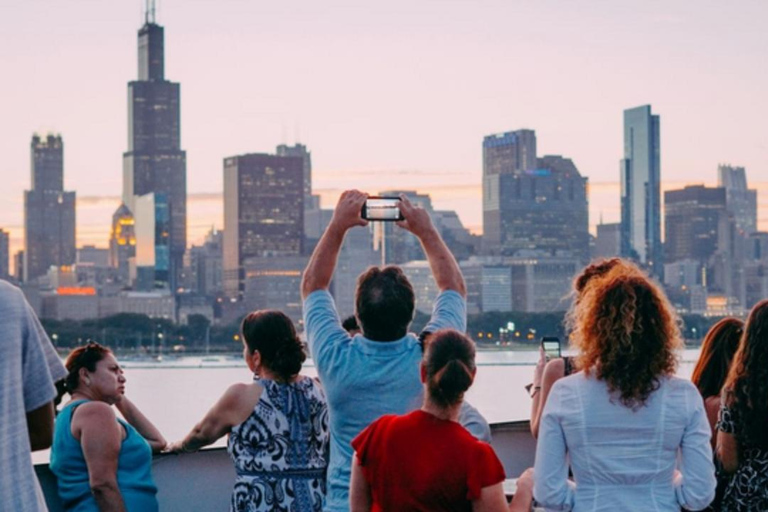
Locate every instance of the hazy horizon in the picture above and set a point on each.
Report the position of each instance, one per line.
(206, 210)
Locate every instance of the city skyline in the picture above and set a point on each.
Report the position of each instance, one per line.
(415, 80)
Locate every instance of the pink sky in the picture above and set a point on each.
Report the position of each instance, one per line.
(395, 94)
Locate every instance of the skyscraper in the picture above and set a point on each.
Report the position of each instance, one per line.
(263, 212)
(532, 203)
(122, 242)
(608, 242)
(300, 150)
(4, 244)
(641, 189)
(312, 215)
(49, 211)
(509, 152)
(155, 162)
(153, 261)
(692, 216)
(742, 201)
(205, 264)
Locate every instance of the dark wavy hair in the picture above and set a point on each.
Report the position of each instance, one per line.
(272, 333)
(746, 388)
(449, 360)
(384, 303)
(627, 333)
(717, 350)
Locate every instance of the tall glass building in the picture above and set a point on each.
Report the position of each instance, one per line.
(263, 212)
(49, 211)
(152, 231)
(530, 203)
(155, 162)
(4, 255)
(692, 217)
(641, 189)
(742, 201)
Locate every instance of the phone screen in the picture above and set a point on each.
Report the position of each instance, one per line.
(382, 208)
(551, 347)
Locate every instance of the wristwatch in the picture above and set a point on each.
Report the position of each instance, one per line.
(532, 390)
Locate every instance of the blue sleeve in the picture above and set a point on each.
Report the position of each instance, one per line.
(448, 312)
(695, 484)
(471, 419)
(551, 488)
(326, 338)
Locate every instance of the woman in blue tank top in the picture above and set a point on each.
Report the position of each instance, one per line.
(102, 462)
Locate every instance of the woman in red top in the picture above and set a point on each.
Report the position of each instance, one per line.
(426, 460)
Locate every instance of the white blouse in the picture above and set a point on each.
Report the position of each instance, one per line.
(655, 458)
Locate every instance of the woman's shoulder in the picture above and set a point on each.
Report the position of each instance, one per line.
(679, 385)
(576, 380)
(94, 410)
(92, 415)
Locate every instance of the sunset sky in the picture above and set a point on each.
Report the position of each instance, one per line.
(394, 94)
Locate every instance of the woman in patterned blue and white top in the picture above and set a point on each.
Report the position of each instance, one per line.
(277, 425)
(742, 438)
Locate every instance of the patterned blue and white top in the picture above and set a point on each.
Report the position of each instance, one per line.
(280, 451)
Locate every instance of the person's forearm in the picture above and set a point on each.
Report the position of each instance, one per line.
(40, 427)
(521, 502)
(108, 497)
(319, 271)
(141, 423)
(535, 413)
(444, 267)
(201, 435)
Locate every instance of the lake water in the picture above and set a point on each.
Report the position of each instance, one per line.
(177, 392)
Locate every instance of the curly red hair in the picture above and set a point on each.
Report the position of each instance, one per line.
(627, 333)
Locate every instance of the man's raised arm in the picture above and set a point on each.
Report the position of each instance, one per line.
(444, 267)
(319, 271)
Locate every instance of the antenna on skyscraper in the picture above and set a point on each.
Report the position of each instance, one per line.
(149, 13)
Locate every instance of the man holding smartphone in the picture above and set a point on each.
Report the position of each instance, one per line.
(376, 372)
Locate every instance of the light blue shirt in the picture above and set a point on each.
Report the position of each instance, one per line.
(623, 459)
(366, 379)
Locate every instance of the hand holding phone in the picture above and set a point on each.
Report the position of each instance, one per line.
(382, 209)
(551, 347)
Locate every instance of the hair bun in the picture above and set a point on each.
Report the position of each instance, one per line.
(450, 383)
(288, 358)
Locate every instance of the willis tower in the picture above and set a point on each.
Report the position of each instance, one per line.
(155, 162)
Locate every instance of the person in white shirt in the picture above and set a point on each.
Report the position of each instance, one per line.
(637, 437)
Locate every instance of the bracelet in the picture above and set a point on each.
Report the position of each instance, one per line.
(535, 391)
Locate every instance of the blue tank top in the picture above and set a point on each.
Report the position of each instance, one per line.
(134, 468)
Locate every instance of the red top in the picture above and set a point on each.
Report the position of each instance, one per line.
(420, 462)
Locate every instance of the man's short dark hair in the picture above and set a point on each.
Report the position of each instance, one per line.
(384, 303)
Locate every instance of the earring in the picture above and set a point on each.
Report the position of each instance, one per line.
(87, 382)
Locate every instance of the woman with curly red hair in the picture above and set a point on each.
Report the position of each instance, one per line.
(624, 420)
(547, 372)
(742, 440)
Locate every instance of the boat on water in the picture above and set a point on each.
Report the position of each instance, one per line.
(204, 480)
